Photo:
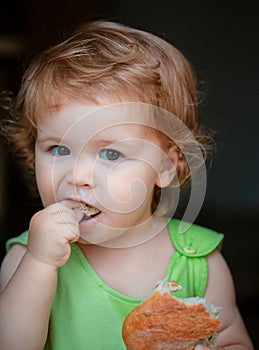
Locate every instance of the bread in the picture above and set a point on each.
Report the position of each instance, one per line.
(88, 210)
(165, 322)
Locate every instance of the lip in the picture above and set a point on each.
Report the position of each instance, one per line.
(85, 225)
(90, 218)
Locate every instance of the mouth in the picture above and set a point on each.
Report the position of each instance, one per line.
(88, 211)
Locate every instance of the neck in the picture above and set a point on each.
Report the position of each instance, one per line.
(133, 270)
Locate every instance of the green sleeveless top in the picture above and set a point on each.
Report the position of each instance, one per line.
(88, 314)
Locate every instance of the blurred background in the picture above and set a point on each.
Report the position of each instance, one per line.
(222, 45)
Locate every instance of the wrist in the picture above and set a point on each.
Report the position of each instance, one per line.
(40, 262)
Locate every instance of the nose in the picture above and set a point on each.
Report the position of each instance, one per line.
(81, 173)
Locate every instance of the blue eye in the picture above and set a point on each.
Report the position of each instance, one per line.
(110, 154)
(60, 151)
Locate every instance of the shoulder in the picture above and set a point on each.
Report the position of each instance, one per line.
(16, 249)
(21, 239)
(220, 277)
(194, 240)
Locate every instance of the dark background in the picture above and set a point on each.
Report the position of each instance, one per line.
(222, 45)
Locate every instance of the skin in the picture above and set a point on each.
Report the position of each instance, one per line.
(65, 178)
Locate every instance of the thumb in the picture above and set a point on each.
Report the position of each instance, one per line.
(74, 238)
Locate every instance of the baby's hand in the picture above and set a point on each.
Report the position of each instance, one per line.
(51, 231)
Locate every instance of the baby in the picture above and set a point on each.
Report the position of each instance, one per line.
(106, 122)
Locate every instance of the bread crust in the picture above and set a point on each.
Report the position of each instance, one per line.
(169, 323)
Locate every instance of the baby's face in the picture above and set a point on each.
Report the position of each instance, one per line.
(103, 161)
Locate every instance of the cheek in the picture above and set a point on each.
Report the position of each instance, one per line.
(44, 183)
(127, 188)
(125, 191)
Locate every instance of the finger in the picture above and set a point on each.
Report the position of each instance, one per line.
(70, 221)
(69, 203)
(62, 205)
(65, 209)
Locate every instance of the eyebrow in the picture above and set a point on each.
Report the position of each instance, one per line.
(104, 141)
(107, 142)
(47, 139)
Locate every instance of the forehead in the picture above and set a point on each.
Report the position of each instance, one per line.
(57, 101)
(87, 120)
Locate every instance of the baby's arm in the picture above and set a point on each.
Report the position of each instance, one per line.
(220, 291)
(25, 301)
(29, 277)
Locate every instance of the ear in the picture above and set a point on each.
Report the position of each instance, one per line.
(168, 170)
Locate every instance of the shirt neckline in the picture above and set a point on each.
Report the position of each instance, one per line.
(102, 284)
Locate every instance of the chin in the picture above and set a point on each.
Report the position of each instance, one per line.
(100, 237)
